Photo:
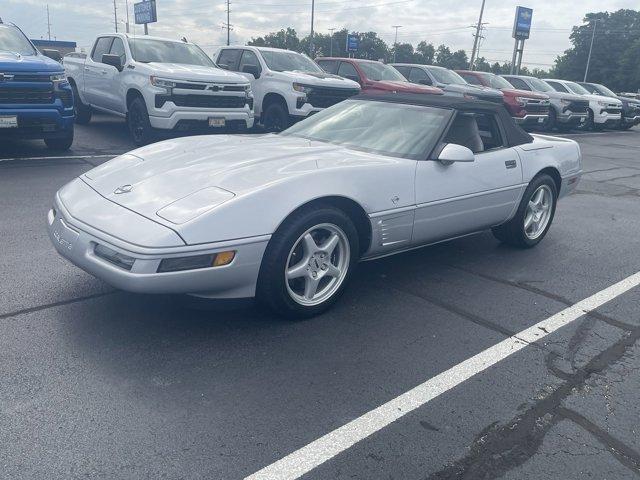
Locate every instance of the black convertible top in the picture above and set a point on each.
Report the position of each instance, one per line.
(515, 134)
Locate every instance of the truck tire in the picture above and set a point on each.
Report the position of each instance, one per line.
(138, 122)
(276, 118)
(552, 121)
(82, 111)
(60, 144)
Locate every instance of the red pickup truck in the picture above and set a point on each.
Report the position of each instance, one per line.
(373, 77)
(527, 108)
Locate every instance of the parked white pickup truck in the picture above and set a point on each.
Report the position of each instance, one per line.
(287, 85)
(157, 83)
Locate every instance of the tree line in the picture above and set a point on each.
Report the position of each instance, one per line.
(615, 58)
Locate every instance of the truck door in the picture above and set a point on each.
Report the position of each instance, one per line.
(94, 72)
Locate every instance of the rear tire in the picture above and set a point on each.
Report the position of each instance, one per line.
(276, 118)
(534, 215)
(138, 122)
(308, 262)
(83, 112)
(61, 144)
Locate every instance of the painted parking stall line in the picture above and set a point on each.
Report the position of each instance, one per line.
(68, 157)
(316, 453)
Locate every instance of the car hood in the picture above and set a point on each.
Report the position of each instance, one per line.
(178, 71)
(319, 79)
(12, 62)
(600, 98)
(514, 92)
(218, 166)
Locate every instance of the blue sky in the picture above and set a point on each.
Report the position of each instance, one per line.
(438, 21)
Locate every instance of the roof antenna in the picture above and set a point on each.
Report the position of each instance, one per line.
(184, 39)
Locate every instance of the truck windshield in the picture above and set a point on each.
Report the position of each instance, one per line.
(286, 61)
(377, 71)
(495, 81)
(577, 89)
(442, 75)
(386, 128)
(602, 90)
(540, 85)
(12, 40)
(146, 50)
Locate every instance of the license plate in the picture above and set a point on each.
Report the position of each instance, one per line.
(9, 121)
(541, 120)
(216, 122)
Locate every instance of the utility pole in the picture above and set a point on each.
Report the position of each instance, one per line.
(228, 25)
(331, 42)
(593, 34)
(115, 15)
(477, 37)
(395, 42)
(126, 4)
(48, 23)
(311, 46)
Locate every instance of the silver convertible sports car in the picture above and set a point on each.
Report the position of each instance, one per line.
(287, 217)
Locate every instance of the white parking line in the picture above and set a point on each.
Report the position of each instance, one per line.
(307, 458)
(69, 157)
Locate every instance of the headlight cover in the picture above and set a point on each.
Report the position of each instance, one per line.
(194, 205)
(299, 87)
(162, 82)
(59, 80)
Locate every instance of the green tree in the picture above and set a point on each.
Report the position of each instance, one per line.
(425, 53)
(282, 39)
(402, 53)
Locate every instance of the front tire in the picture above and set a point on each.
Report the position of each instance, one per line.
(61, 144)
(83, 112)
(534, 216)
(308, 262)
(276, 118)
(552, 121)
(138, 122)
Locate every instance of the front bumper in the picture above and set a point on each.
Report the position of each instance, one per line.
(532, 119)
(76, 242)
(635, 120)
(36, 123)
(200, 116)
(608, 119)
(572, 118)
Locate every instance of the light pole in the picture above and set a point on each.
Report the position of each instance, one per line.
(395, 42)
(477, 38)
(115, 15)
(313, 6)
(331, 42)
(593, 34)
(126, 4)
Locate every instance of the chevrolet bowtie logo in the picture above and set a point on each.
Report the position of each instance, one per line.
(123, 189)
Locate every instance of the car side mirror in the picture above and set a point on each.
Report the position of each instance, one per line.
(223, 66)
(355, 78)
(455, 153)
(113, 60)
(251, 69)
(52, 54)
(424, 81)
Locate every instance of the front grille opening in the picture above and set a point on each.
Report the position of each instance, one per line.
(111, 256)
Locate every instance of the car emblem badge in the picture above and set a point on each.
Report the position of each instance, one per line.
(213, 88)
(123, 189)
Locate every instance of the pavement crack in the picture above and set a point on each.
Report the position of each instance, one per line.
(626, 455)
(500, 448)
(46, 306)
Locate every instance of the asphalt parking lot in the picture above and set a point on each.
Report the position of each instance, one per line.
(96, 383)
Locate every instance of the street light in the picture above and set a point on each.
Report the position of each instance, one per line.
(593, 34)
(395, 42)
(331, 42)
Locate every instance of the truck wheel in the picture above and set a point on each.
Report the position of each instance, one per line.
(589, 123)
(61, 144)
(138, 122)
(275, 118)
(82, 111)
(534, 216)
(552, 121)
(308, 262)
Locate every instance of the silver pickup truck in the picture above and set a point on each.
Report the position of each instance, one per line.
(156, 83)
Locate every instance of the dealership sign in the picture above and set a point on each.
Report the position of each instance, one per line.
(145, 12)
(353, 42)
(522, 23)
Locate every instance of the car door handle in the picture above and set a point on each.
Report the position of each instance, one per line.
(510, 164)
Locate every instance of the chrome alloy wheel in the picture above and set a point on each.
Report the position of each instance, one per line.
(538, 213)
(317, 264)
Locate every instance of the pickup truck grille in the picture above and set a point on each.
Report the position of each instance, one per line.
(535, 106)
(28, 77)
(578, 106)
(12, 96)
(326, 97)
(202, 101)
(613, 110)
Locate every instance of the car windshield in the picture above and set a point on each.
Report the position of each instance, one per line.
(577, 89)
(377, 71)
(286, 61)
(442, 75)
(495, 81)
(12, 40)
(146, 50)
(540, 85)
(385, 128)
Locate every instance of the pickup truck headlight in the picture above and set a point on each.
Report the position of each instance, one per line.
(162, 83)
(299, 87)
(522, 101)
(565, 102)
(59, 79)
(602, 104)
